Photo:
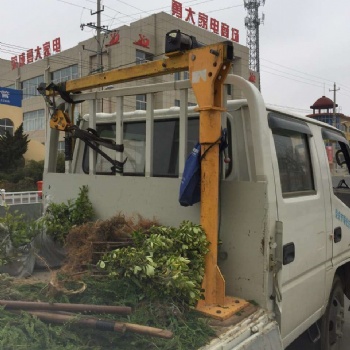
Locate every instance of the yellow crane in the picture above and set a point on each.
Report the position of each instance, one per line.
(208, 67)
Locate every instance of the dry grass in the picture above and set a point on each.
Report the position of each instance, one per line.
(87, 243)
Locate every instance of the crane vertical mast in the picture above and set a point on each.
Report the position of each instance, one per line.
(252, 23)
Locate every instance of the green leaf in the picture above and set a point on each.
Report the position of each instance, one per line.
(149, 270)
(137, 269)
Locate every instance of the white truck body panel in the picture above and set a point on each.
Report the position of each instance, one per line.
(256, 332)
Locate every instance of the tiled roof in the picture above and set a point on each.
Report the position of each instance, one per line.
(323, 103)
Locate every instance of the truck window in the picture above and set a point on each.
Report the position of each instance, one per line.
(165, 147)
(338, 155)
(337, 149)
(294, 163)
(291, 138)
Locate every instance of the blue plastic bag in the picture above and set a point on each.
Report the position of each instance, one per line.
(190, 188)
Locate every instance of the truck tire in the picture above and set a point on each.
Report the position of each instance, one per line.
(333, 319)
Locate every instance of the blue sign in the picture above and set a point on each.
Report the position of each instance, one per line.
(342, 218)
(10, 97)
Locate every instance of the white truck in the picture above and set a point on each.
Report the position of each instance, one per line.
(277, 215)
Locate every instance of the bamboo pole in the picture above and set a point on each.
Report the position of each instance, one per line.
(104, 325)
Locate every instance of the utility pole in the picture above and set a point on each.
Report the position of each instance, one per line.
(252, 23)
(99, 51)
(98, 34)
(335, 89)
(99, 30)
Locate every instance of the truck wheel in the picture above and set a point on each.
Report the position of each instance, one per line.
(333, 319)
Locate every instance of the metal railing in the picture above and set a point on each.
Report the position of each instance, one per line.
(15, 198)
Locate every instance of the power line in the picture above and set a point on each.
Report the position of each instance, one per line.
(265, 69)
(64, 59)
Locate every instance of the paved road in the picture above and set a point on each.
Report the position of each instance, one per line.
(304, 343)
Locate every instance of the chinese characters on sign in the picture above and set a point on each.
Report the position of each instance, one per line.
(11, 97)
(143, 41)
(203, 21)
(114, 39)
(5, 97)
(36, 54)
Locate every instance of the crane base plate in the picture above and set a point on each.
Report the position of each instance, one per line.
(231, 307)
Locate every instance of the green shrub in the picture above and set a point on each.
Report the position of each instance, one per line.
(15, 231)
(23, 178)
(22, 331)
(60, 218)
(34, 170)
(60, 167)
(167, 263)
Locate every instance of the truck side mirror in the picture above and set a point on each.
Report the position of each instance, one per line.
(340, 158)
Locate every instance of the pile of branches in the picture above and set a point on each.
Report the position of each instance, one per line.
(25, 325)
(155, 270)
(86, 244)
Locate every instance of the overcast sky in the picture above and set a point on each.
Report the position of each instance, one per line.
(304, 44)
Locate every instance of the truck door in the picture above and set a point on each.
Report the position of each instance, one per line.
(339, 184)
(301, 213)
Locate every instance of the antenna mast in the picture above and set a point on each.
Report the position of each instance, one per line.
(252, 23)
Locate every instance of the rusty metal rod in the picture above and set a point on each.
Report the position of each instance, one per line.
(84, 308)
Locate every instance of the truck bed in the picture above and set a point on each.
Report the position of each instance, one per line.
(251, 329)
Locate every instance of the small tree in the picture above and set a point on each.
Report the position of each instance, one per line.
(12, 149)
(61, 217)
(34, 170)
